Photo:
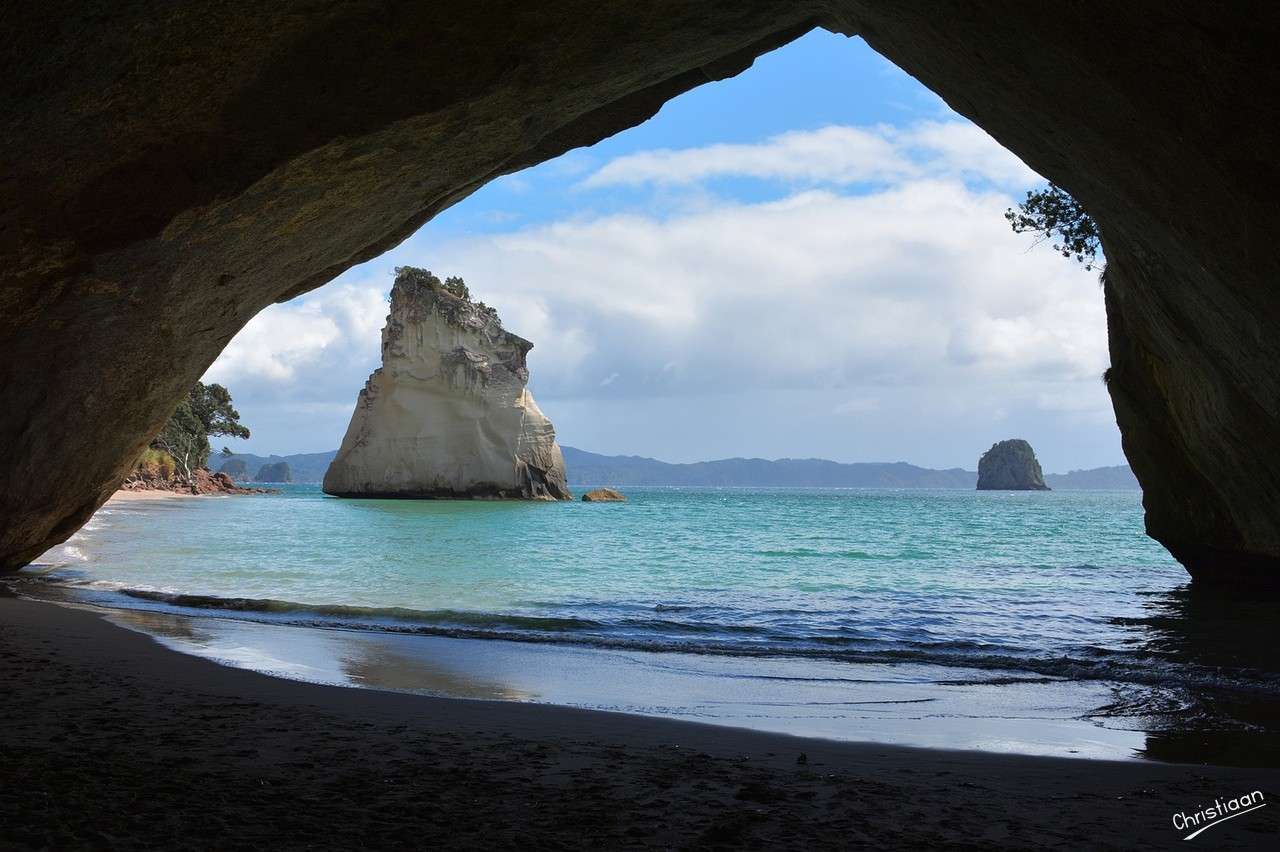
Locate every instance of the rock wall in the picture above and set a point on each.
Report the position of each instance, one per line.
(1010, 466)
(168, 176)
(447, 414)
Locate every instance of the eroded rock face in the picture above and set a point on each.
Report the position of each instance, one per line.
(1010, 466)
(447, 414)
(168, 176)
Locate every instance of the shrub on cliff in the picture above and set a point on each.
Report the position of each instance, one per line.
(1054, 214)
(156, 464)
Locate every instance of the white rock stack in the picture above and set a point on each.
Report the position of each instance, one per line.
(447, 415)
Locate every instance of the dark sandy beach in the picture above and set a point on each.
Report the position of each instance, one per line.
(111, 741)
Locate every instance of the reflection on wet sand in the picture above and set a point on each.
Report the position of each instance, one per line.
(1231, 716)
(371, 664)
(818, 698)
(163, 625)
(324, 656)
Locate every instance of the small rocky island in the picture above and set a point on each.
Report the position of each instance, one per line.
(235, 468)
(274, 472)
(447, 415)
(1010, 466)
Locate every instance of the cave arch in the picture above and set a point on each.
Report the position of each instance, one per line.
(169, 175)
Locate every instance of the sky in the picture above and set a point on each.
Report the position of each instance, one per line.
(808, 260)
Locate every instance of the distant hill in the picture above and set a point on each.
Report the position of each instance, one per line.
(594, 469)
(1119, 476)
(304, 467)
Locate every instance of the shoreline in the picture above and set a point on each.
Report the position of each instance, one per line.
(918, 704)
(143, 495)
(930, 700)
(891, 704)
(108, 733)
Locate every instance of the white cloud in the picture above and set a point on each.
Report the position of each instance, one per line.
(836, 155)
(293, 346)
(832, 154)
(962, 149)
(273, 347)
(914, 284)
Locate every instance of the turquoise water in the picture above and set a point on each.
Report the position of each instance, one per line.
(956, 586)
(937, 574)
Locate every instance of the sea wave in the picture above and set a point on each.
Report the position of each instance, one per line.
(348, 615)
(989, 663)
(806, 552)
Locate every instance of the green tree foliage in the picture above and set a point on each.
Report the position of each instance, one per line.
(1054, 214)
(211, 404)
(206, 411)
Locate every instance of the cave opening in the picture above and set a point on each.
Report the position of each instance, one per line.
(840, 264)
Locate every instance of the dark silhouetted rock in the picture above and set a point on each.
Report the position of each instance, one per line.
(1010, 466)
(277, 472)
(604, 495)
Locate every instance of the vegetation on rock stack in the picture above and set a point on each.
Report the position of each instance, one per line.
(207, 411)
(453, 285)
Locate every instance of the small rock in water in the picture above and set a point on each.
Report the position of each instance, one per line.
(604, 495)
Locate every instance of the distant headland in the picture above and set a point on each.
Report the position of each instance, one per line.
(586, 469)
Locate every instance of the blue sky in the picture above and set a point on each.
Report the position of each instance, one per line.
(806, 260)
(821, 79)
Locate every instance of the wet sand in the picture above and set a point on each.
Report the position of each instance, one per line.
(111, 741)
(893, 704)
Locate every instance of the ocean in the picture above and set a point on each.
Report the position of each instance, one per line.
(1012, 621)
